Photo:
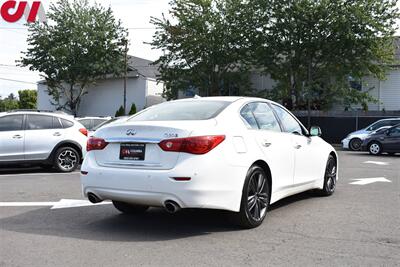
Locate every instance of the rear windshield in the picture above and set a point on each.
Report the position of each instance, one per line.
(182, 111)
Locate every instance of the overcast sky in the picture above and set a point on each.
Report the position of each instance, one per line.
(133, 14)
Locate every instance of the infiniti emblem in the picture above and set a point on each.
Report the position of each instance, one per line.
(131, 132)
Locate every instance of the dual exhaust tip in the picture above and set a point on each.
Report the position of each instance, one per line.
(93, 198)
(169, 205)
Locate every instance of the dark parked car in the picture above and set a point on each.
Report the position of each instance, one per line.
(387, 140)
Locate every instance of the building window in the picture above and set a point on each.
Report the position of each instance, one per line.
(355, 83)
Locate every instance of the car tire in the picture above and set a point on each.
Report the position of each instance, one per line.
(330, 177)
(375, 148)
(255, 198)
(355, 144)
(66, 159)
(129, 208)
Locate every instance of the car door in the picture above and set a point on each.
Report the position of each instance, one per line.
(11, 138)
(309, 162)
(275, 145)
(42, 134)
(392, 140)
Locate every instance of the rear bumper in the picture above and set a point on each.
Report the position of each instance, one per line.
(213, 185)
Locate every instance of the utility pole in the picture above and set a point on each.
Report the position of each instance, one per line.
(126, 73)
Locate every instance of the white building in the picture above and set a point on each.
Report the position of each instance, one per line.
(106, 96)
(386, 91)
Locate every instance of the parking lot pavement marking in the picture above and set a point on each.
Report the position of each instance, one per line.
(364, 181)
(36, 174)
(376, 162)
(62, 204)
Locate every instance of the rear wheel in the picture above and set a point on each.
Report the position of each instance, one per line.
(129, 208)
(375, 148)
(66, 159)
(355, 144)
(330, 177)
(255, 198)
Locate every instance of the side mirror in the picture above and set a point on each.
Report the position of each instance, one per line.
(387, 132)
(315, 131)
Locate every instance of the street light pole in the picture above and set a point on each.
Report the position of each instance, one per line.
(126, 74)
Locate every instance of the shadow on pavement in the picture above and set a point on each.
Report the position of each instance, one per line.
(104, 223)
(25, 169)
(366, 154)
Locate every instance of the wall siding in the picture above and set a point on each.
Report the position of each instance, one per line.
(105, 97)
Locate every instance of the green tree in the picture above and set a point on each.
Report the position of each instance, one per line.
(201, 51)
(9, 103)
(120, 112)
(27, 99)
(313, 48)
(79, 44)
(133, 109)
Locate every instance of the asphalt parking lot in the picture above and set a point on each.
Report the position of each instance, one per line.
(359, 225)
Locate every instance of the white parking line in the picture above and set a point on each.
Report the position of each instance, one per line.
(376, 162)
(364, 181)
(62, 204)
(36, 174)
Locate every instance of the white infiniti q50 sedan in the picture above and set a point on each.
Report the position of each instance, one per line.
(230, 153)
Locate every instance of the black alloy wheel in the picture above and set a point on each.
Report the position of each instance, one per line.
(330, 177)
(255, 198)
(355, 144)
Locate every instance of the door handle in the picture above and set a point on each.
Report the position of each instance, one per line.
(57, 134)
(297, 146)
(17, 136)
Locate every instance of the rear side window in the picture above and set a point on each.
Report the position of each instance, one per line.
(66, 123)
(260, 116)
(265, 117)
(11, 123)
(39, 122)
(56, 123)
(182, 111)
(290, 124)
(248, 116)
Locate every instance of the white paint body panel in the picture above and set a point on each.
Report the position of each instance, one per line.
(217, 177)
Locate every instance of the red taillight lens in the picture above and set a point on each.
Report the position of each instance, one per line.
(95, 143)
(84, 131)
(193, 145)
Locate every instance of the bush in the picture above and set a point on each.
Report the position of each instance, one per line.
(120, 112)
(133, 109)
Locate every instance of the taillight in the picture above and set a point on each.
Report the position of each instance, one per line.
(95, 143)
(83, 131)
(193, 145)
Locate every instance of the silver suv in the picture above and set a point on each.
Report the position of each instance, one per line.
(48, 139)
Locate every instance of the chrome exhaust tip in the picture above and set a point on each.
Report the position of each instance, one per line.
(171, 206)
(93, 198)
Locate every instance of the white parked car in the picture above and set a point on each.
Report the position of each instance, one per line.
(110, 121)
(231, 153)
(354, 140)
(92, 122)
(48, 139)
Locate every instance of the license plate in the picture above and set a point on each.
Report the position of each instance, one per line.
(132, 151)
